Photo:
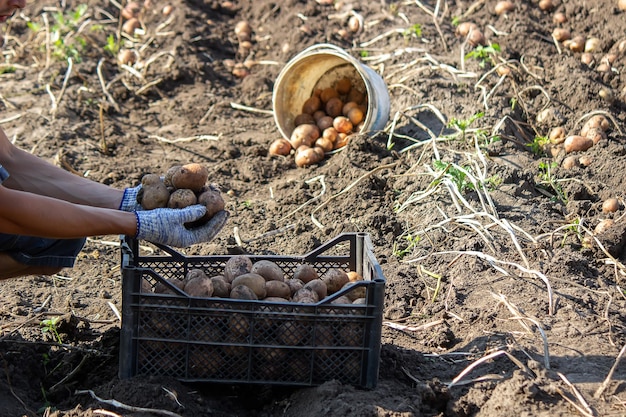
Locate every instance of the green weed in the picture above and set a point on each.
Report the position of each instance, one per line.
(462, 125)
(538, 145)
(407, 246)
(416, 30)
(457, 176)
(63, 43)
(484, 54)
(112, 46)
(549, 184)
(50, 326)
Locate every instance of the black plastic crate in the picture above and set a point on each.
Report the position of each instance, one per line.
(232, 341)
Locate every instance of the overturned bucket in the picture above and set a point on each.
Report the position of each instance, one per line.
(317, 68)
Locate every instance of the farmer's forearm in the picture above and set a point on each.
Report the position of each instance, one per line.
(29, 214)
(33, 174)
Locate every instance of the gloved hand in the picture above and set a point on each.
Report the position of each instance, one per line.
(167, 226)
(129, 200)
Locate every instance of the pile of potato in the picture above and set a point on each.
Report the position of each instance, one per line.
(327, 120)
(265, 280)
(181, 186)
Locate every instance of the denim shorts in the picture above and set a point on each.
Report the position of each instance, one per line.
(36, 251)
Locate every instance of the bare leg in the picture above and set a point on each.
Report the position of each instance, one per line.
(9, 268)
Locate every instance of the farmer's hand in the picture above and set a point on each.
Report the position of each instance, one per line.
(129, 200)
(167, 226)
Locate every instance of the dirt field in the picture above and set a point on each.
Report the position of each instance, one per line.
(502, 296)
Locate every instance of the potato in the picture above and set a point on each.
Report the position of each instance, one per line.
(343, 85)
(268, 270)
(167, 178)
(325, 122)
(360, 301)
(253, 281)
(312, 105)
(595, 134)
(342, 124)
(280, 147)
(595, 122)
(318, 286)
(577, 143)
(242, 292)
(305, 295)
(356, 96)
(212, 199)
(305, 134)
(237, 265)
(354, 276)
(610, 205)
(193, 176)
(333, 107)
(350, 334)
(201, 286)
(305, 273)
(274, 289)
(293, 333)
(354, 293)
(304, 119)
(194, 273)
(306, 156)
(355, 116)
(294, 284)
(182, 198)
(221, 288)
(239, 326)
(335, 279)
(162, 288)
(342, 300)
(153, 193)
(205, 362)
(276, 299)
(328, 93)
(325, 144)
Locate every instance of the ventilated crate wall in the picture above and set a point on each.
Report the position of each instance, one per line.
(237, 341)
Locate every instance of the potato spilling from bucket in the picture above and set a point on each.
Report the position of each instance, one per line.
(325, 124)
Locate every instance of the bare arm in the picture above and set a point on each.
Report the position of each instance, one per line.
(41, 199)
(30, 214)
(33, 174)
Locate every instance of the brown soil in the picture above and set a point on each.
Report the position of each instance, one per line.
(507, 266)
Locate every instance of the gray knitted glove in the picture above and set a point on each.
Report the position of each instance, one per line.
(167, 226)
(129, 200)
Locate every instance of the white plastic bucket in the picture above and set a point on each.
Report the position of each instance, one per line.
(319, 67)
